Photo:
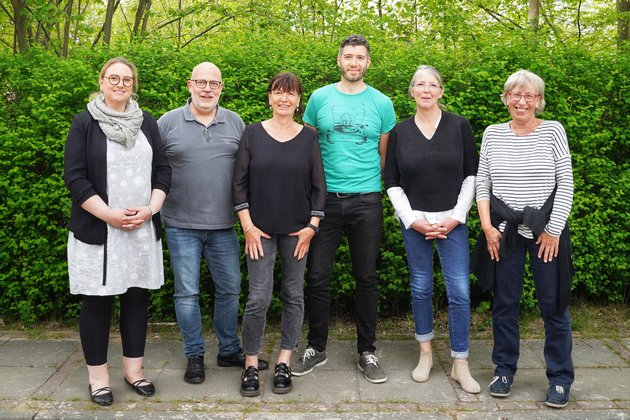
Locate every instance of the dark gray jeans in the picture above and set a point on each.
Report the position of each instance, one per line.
(261, 289)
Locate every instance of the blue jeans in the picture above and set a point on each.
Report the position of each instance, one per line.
(221, 251)
(454, 258)
(361, 217)
(506, 310)
(261, 289)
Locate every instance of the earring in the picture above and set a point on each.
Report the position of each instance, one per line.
(297, 109)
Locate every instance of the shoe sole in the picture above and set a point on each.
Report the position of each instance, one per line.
(556, 405)
(322, 363)
(496, 394)
(374, 381)
(194, 381)
(249, 393)
(284, 390)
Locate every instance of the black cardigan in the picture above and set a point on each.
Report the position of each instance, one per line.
(85, 173)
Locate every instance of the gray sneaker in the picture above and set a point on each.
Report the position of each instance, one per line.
(368, 363)
(310, 360)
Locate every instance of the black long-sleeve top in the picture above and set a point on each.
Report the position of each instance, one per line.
(85, 173)
(281, 183)
(431, 172)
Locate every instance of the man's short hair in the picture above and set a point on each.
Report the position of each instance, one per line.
(354, 40)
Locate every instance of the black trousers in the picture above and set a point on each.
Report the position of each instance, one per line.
(360, 217)
(94, 324)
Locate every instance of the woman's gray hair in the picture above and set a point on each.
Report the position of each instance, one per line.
(430, 69)
(525, 78)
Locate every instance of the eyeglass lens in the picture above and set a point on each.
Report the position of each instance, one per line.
(114, 79)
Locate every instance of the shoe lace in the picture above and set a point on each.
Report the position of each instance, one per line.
(503, 379)
(308, 353)
(195, 361)
(371, 359)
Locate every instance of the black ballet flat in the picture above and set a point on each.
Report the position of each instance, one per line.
(146, 390)
(102, 396)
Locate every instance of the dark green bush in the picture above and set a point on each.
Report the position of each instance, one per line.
(587, 91)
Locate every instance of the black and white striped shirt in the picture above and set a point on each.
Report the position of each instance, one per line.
(523, 171)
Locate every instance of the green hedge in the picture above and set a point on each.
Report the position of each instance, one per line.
(587, 91)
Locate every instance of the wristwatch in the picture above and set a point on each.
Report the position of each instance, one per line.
(312, 226)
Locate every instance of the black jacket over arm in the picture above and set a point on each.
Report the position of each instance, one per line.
(483, 266)
(85, 173)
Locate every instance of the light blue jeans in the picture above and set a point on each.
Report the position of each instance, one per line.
(261, 290)
(221, 251)
(454, 258)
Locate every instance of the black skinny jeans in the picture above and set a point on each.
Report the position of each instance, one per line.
(94, 323)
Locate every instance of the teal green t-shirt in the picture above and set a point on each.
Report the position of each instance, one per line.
(349, 128)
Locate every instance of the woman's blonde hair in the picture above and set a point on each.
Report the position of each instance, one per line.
(116, 60)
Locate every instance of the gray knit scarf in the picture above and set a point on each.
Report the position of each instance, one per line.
(121, 127)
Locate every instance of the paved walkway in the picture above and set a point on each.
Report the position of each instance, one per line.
(47, 379)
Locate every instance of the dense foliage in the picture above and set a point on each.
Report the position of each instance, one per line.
(589, 92)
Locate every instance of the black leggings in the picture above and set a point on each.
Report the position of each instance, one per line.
(94, 323)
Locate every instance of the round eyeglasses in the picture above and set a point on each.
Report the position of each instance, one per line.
(115, 79)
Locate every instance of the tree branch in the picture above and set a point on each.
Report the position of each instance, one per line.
(214, 25)
(494, 15)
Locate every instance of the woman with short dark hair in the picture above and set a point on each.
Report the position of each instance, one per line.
(279, 195)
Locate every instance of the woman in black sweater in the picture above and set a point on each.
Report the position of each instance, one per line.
(430, 176)
(279, 195)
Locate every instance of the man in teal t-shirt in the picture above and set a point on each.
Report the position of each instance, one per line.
(353, 121)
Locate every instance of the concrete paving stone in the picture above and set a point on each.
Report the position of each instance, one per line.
(157, 354)
(321, 386)
(626, 341)
(12, 415)
(400, 355)
(601, 384)
(546, 413)
(401, 387)
(32, 353)
(480, 356)
(23, 381)
(586, 353)
(345, 416)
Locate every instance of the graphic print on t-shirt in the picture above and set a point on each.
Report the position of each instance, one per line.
(349, 125)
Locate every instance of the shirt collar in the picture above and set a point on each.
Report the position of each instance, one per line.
(219, 116)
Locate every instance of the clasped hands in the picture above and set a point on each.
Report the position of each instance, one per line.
(432, 231)
(130, 218)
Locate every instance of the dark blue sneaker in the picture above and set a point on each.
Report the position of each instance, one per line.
(557, 396)
(500, 386)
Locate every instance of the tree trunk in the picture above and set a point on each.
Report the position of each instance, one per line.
(19, 26)
(140, 22)
(66, 29)
(107, 25)
(623, 23)
(534, 14)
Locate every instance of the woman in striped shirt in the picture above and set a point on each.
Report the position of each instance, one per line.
(524, 191)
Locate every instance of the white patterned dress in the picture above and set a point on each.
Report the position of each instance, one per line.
(134, 258)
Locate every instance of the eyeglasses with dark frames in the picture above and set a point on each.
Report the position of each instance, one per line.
(201, 84)
(115, 79)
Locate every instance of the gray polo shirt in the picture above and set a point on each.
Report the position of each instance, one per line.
(202, 160)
